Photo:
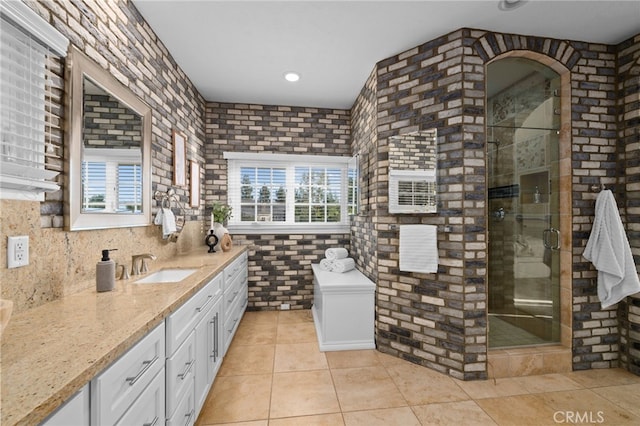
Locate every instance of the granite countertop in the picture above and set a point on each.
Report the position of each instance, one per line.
(52, 351)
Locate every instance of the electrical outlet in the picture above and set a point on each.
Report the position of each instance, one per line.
(18, 251)
(285, 307)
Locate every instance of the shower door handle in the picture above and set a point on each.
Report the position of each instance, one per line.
(546, 238)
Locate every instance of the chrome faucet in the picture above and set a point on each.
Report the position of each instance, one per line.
(138, 264)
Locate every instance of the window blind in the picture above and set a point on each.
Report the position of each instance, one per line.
(24, 78)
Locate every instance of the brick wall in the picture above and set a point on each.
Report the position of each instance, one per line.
(116, 36)
(279, 265)
(363, 143)
(629, 148)
(109, 124)
(440, 320)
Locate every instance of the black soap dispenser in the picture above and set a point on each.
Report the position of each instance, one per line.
(105, 273)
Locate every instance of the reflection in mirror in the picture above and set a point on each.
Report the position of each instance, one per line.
(112, 155)
(412, 172)
(109, 134)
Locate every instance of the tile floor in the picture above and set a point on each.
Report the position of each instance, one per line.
(274, 374)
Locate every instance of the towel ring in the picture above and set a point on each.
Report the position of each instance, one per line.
(598, 187)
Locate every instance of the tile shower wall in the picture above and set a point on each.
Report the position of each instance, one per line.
(440, 320)
(116, 36)
(629, 135)
(279, 265)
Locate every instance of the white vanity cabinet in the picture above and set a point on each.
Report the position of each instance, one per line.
(115, 391)
(74, 412)
(235, 298)
(208, 336)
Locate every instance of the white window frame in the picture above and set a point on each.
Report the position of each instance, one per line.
(23, 173)
(237, 160)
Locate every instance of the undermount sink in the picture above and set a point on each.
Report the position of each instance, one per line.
(166, 276)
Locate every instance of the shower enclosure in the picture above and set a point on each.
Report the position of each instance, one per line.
(523, 123)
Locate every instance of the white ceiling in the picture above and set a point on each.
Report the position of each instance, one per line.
(238, 51)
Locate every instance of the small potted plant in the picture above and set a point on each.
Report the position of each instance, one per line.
(220, 215)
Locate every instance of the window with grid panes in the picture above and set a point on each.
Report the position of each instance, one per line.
(290, 193)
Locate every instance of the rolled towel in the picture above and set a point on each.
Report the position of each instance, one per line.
(326, 265)
(343, 265)
(336, 253)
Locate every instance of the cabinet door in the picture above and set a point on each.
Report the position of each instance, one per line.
(149, 407)
(180, 373)
(75, 412)
(208, 352)
(116, 388)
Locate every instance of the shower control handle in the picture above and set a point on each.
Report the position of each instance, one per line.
(546, 238)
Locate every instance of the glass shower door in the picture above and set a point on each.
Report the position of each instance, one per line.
(524, 235)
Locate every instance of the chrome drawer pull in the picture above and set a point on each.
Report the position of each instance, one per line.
(209, 299)
(187, 369)
(189, 416)
(153, 423)
(233, 297)
(146, 365)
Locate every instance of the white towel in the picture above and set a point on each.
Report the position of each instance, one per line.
(336, 253)
(343, 265)
(326, 265)
(158, 219)
(419, 248)
(609, 251)
(168, 223)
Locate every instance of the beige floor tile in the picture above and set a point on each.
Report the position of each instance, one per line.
(366, 388)
(521, 410)
(588, 407)
(420, 385)
(547, 383)
(303, 393)
(256, 423)
(603, 377)
(626, 396)
(243, 360)
(297, 332)
(452, 413)
(350, 359)
(237, 399)
(299, 357)
(479, 389)
(289, 317)
(402, 416)
(262, 317)
(255, 334)
(334, 419)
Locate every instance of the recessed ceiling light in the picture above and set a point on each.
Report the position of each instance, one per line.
(507, 5)
(292, 76)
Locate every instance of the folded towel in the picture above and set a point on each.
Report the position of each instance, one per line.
(336, 253)
(168, 223)
(343, 265)
(419, 248)
(326, 265)
(609, 251)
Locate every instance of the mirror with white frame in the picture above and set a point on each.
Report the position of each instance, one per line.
(109, 146)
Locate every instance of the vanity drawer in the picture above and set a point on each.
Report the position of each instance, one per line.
(182, 322)
(235, 289)
(232, 319)
(117, 387)
(185, 414)
(149, 408)
(237, 266)
(180, 373)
